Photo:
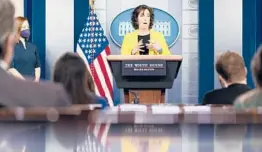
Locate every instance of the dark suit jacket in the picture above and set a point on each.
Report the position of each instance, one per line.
(225, 95)
(14, 92)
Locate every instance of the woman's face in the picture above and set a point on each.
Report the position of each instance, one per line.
(25, 32)
(144, 19)
(25, 26)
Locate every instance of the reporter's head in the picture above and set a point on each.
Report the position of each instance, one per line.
(142, 17)
(71, 71)
(7, 12)
(231, 68)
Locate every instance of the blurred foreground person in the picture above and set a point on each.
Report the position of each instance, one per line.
(232, 73)
(72, 72)
(15, 92)
(253, 98)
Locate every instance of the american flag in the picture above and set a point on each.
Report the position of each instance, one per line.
(93, 47)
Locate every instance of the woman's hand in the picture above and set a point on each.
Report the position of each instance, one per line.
(36, 80)
(138, 48)
(154, 46)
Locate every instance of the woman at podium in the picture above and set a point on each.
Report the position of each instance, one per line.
(144, 40)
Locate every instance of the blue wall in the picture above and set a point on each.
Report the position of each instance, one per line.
(34, 11)
(81, 11)
(206, 47)
(251, 32)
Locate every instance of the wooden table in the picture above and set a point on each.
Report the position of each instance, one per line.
(183, 128)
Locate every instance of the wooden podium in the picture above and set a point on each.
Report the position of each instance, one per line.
(144, 78)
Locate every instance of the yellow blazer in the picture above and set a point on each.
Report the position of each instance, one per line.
(131, 40)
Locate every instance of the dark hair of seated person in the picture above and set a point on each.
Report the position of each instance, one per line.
(71, 71)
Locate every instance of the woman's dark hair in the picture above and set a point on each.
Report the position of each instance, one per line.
(71, 71)
(136, 12)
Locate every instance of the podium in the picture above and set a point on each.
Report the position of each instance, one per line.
(144, 78)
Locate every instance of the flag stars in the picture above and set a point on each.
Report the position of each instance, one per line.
(92, 39)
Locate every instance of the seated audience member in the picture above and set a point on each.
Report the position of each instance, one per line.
(15, 92)
(253, 98)
(72, 72)
(231, 72)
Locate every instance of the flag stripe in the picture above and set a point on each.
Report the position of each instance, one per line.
(97, 82)
(100, 77)
(101, 131)
(104, 136)
(96, 129)
(104, 71)
(109, 73)
(108, 52)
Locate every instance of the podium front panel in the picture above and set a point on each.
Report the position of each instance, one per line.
(142, 82)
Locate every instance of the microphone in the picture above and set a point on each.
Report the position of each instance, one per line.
(136, 99)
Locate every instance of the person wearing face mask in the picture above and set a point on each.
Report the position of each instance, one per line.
(144, 40)
(19, 93)
(26, 62)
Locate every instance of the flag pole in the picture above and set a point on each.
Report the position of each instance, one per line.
(92, 32)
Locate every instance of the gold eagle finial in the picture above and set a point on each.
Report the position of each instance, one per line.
(92, 3)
